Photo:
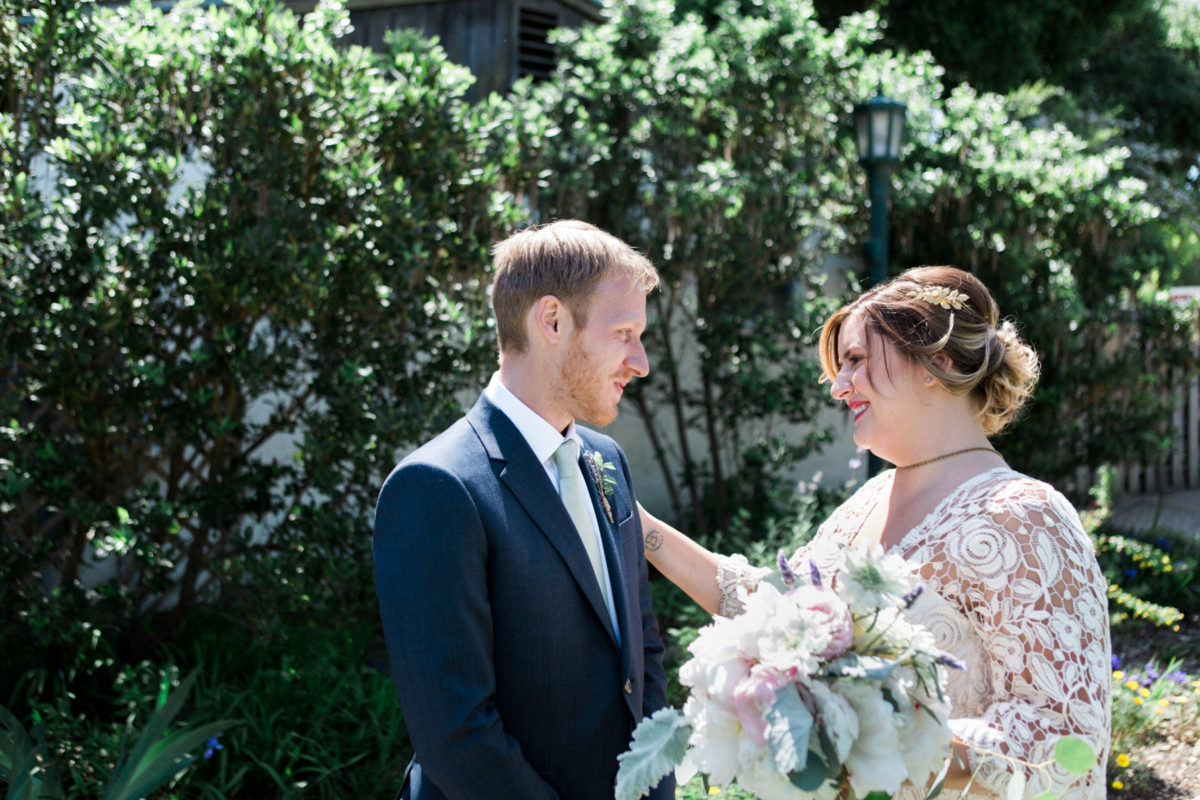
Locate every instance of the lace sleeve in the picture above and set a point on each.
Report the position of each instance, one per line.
(735, 578)
(1028, 577)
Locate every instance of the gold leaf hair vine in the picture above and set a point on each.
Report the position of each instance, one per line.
(941, 296)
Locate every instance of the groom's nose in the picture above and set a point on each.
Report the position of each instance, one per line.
(637, 362)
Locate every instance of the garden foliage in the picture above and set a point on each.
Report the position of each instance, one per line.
(242, 268)
(242, 271)
(719, 152)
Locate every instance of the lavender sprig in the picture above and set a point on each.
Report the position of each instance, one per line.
(785, 569)
(947, 660)
(911, 597)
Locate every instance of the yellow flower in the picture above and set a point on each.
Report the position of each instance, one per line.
(1118, 785)
(714, 790)
(1137, 700)
(1164, 702)
(1144, 692)
(1119, 675)
(1122, 761)
(1131, 685)
(1166, 559)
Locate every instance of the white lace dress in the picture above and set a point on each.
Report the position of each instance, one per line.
(1013, 590)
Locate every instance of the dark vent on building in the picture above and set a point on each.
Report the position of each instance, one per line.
(536, 55)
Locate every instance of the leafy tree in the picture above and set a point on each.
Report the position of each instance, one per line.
(242, 269)
(722, 149)
(1071, 247)
(720, 152)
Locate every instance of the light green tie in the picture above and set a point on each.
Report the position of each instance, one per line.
(574, 497)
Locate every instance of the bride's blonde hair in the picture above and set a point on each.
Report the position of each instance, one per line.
(946, 320)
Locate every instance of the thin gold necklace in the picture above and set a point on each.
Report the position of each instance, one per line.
(948, 455)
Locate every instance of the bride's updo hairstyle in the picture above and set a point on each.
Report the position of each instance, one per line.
(946, 320)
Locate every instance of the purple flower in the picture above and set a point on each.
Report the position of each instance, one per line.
(1116, 661)
(912, 596)
(1150, 676)
(1131, 573)
(212, 745)
(947, 660)
(1163, 544)
(785, 569)
(814, 573)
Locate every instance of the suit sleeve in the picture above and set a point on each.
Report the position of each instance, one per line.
(654, 693)
(431, 577)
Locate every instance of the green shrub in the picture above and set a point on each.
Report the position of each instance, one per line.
(110, 762)
(1157, 567)
(309, 709)
(243, 268)
(716, 152)
(319, 720)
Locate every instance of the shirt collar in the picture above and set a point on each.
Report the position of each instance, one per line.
(542, 437)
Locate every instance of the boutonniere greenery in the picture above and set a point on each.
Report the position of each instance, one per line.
(601, 476)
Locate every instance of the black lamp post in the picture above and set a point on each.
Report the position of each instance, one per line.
(878, 134)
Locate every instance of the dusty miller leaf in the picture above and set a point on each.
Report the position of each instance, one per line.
(659, 744)
(789, 723)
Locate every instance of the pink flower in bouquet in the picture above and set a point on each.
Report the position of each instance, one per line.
(828, 611)
(754, 697)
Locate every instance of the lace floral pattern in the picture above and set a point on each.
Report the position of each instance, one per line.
(1014, 591)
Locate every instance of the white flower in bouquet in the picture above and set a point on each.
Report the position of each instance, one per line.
(716, 735)
(810, 689)
(870, 579)
(839, 718)
(875, 762)
(920, 716)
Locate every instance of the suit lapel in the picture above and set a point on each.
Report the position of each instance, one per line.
(526, 478)
(611, 537)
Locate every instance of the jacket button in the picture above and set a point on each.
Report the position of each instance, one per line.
(628, 686)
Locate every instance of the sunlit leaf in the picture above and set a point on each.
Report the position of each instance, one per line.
(1075, 755)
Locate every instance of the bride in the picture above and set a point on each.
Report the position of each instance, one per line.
(1012, 586)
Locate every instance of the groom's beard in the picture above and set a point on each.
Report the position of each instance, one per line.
(589, 394)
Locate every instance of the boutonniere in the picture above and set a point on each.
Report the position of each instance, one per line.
(605, 483)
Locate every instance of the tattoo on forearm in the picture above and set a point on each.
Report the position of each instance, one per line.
(654, 539)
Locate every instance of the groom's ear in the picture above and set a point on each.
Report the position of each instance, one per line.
(549, 319)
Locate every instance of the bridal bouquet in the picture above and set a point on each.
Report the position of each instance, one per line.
(814, 689)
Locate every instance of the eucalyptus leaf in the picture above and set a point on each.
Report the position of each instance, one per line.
(812, 776)
(1075, 755)
(853, 665)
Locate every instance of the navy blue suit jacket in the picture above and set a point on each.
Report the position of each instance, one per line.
(510, 678)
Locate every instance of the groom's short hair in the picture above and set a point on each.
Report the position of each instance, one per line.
(565, 259)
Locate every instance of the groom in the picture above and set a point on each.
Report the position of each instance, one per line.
(508, 550)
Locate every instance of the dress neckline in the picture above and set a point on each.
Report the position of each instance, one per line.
(885, 480)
